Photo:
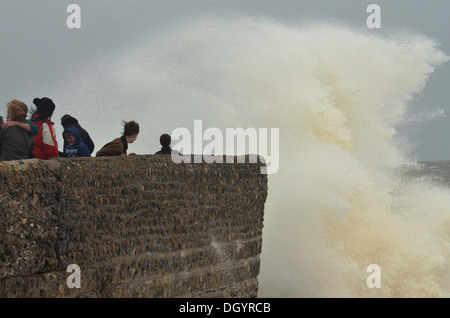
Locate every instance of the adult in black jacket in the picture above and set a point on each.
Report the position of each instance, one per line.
(68, 121)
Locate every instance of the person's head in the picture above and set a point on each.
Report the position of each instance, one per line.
(165, 140)
(16, 111)
(72, 136)
(68, 120)
(130, 130)
(44, 107)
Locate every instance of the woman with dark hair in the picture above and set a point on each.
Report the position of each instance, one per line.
(45, 145)
(15, 142)
(119, 146)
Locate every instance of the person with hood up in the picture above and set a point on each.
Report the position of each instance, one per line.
(68, 121)
(75, 147)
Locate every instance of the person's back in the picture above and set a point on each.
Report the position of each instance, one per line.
(16, 144)
(119, 146)
(15, 141)
(45, 145)
(167, 150)
(115, 147)
(165, 141)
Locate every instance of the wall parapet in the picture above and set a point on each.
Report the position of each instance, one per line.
(137, 226)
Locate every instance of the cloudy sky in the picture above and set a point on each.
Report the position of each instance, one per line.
(40, 55)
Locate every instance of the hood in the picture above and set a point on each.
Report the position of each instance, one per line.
(75, 132)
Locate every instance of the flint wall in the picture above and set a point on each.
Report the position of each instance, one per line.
(137, 226)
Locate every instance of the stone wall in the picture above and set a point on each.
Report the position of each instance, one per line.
(137, 226)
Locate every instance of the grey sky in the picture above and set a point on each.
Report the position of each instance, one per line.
(38, 52)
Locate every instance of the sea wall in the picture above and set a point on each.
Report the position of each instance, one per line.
(137, 226)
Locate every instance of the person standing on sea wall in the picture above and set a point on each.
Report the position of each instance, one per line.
(119, 146)
(68, 121)
(16, 142)
(75, 147)
(165, 141)
(45, 145)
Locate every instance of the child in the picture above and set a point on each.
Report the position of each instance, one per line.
(68, 121)
(75, 147)
(165, 141)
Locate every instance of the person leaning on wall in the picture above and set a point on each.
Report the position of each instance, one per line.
(119, 146)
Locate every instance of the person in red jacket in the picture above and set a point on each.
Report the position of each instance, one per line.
(45, 145)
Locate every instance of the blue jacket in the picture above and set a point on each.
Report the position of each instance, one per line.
(34, 128)
(79, 149)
